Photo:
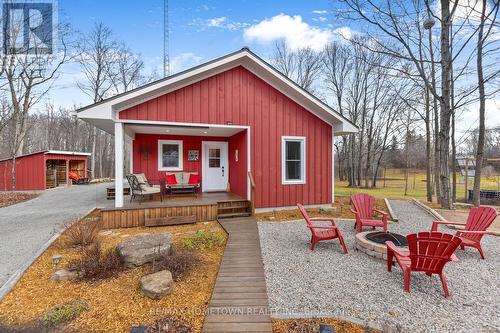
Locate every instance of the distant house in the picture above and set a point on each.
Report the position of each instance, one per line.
(229, 118)
(43, 170)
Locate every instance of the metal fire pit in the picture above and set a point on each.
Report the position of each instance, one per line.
(381, 237)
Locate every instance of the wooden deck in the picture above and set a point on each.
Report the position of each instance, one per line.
(239, 301)
(203, 207)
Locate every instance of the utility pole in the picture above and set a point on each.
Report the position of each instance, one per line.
(166, 36)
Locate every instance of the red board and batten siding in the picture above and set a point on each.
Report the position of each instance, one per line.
(240, 97)
(147, 163)
(30, 170)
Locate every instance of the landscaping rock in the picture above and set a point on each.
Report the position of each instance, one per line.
(144, 248)
(326, 210)
(157, 285)
(64, 275)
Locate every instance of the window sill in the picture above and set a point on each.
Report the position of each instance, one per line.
(293, 182)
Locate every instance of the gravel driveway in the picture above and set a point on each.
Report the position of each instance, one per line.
(302, 283)
(27, 226)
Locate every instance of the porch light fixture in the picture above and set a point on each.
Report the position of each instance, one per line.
(229, 122)
(205, 132)
(167, 130)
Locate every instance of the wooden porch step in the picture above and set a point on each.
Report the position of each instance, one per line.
(245, 205)
(239, 214)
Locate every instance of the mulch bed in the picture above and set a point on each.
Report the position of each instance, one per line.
(342, 203)
(12, 198)
(115, 304)
(312, 326)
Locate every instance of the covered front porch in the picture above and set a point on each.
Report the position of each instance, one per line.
(217, 156)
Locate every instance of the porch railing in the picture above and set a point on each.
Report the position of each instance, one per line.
(252, 193)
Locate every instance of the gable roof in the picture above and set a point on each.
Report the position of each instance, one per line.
(102, 114)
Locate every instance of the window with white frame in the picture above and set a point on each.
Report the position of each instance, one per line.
(170, 155)
(293, 159)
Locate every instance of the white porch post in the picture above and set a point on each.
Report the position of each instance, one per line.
(119, 142)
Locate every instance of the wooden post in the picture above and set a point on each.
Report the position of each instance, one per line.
(466, 173)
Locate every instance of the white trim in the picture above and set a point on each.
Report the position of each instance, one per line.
(272, 209)
(333, 165)
(62, 152)
(160, 155)
(249, 164)
(119, 147)
(302, 140)
(173, 123)
(204, 155)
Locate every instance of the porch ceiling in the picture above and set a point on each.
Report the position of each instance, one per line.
(184, 130)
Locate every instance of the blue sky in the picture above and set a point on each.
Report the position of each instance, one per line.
(201, 30)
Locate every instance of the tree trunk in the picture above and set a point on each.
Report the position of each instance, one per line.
(482, 100)
(436, 121)
(446, 111)
(428, 162)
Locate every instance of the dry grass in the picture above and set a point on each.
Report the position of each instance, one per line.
(82, 233)
(96, 264)
(115, 304)
(180, 263)
(312, 326)
(12, 198)
(342, 203)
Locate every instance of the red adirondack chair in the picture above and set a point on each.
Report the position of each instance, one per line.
(363, 208)
(428, 253)
(322, 232)
(479, 219)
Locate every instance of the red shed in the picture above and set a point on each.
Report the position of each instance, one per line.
(42, 170)
(227, 119)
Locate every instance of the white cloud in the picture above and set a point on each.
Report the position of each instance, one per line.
(319, 19)
(318, 11)
(292, 29)
(344, 33)
(216, 22)
(220, 23)
(184, 61)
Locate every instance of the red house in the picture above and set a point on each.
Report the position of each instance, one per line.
(228, 118)
(42, 170)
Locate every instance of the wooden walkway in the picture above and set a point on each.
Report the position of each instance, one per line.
(239, 301)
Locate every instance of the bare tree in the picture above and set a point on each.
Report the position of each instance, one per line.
(128, 70)
(97, 57)
(487, 20)
(302, 65)
(26, 76)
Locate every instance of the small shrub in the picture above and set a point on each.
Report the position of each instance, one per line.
(169, 325)
(203, 240)
(82, 232)
(96, 264)
(63, 313)
(179, 264)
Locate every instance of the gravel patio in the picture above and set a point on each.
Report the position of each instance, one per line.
(326, 283)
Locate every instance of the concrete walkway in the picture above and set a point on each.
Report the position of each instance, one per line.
(239, 301)
(28, 227)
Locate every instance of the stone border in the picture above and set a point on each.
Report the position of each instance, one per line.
(298, 316)
(391, 211)
(429, 210)
(370, 248)
(14, 278)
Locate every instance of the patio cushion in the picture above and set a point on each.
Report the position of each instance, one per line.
(141, 178)
(171, 179)
(151, 190)
(193, 179)
(186, 175)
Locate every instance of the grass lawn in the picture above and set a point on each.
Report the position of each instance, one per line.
(114, 304)
(394, 186)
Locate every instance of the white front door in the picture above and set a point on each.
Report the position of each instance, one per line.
(215, 173)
